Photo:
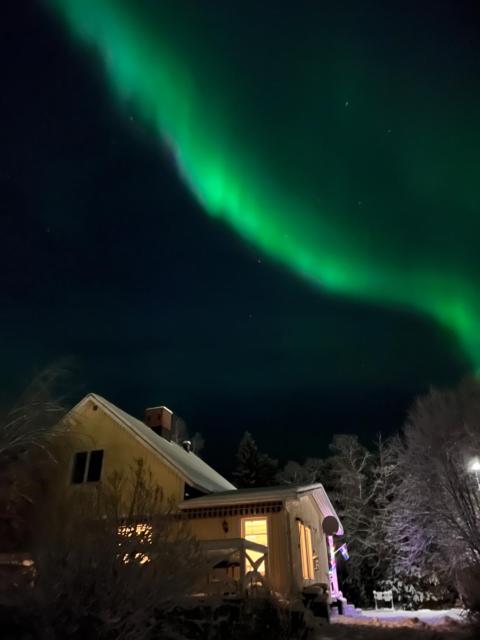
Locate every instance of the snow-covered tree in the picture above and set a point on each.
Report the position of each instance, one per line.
(384, 480)
(435, 521)
(349, 485)
(254, 469)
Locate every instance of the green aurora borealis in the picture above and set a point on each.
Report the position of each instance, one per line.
(312, 137)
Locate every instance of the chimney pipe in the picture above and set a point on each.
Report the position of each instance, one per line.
(159, 419)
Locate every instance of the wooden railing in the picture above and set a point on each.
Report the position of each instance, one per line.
(228, 560)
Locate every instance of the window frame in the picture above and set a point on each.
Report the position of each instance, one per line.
(265, 517)
(307, 556)
(96, 456)
(86, 472)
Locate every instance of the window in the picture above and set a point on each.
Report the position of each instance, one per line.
(79, 466)
(87, 466)
(306, 551)
(134, 538)
(255, 530)
(95, 466)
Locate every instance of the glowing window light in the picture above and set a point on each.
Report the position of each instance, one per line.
(306, 551)
(255, 530)
(142, 533)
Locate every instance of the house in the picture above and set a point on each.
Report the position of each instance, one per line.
(285, 525)
(103, 440)
(276, 534)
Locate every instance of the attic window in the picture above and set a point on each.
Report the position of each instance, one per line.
(95, 466)
(87, 466)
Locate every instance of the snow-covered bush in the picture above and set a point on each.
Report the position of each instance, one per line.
(418, 590)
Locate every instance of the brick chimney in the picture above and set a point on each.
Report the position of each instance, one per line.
(160, 420)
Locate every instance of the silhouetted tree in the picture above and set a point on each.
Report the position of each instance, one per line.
(254, 469)
(312, 471)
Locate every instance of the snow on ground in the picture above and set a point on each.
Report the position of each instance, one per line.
(426, 624)
(428, 616)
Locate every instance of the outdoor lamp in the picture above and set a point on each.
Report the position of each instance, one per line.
(474, 467)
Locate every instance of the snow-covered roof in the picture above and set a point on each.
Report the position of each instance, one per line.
(284, 492)
(195, 471)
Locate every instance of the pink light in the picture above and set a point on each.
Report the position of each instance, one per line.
(332, 572)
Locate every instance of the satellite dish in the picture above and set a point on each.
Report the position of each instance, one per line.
(330, 525)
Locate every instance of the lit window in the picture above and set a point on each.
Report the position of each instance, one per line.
(140, 531)
(87, 466)
(136, 535)
(255, 530)
(306, 551)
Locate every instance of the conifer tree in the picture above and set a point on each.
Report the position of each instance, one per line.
(254, 469)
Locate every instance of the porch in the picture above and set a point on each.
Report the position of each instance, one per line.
(236, 566)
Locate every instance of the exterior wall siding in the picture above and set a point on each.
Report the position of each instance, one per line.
(278, 573)
(305, 510)
(91, 429)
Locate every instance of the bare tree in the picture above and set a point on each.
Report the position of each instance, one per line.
(26, 434)
(436, 509)
(29, 424)
(349, 485)
(312, 471)
(384, 481)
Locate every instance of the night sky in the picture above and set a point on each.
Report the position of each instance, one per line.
(265, 215)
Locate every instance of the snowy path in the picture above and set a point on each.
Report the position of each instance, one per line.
(447, 624)
(429, 616)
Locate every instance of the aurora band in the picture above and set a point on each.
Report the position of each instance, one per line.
(146, 68)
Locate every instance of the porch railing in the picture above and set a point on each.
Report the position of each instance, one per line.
(228, 560)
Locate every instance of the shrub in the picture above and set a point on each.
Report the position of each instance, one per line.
(112, 567)
(468, 581)
(417, 590)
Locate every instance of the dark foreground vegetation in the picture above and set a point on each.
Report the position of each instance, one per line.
(258, 617)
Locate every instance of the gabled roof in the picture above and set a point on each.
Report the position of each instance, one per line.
(266, 494)
(195, 471)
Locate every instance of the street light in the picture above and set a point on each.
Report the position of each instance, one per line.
(474, 467)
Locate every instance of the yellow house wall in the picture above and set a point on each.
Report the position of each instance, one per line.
(278, 548)
(92, 429)
(278, 570)
(304, 509)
